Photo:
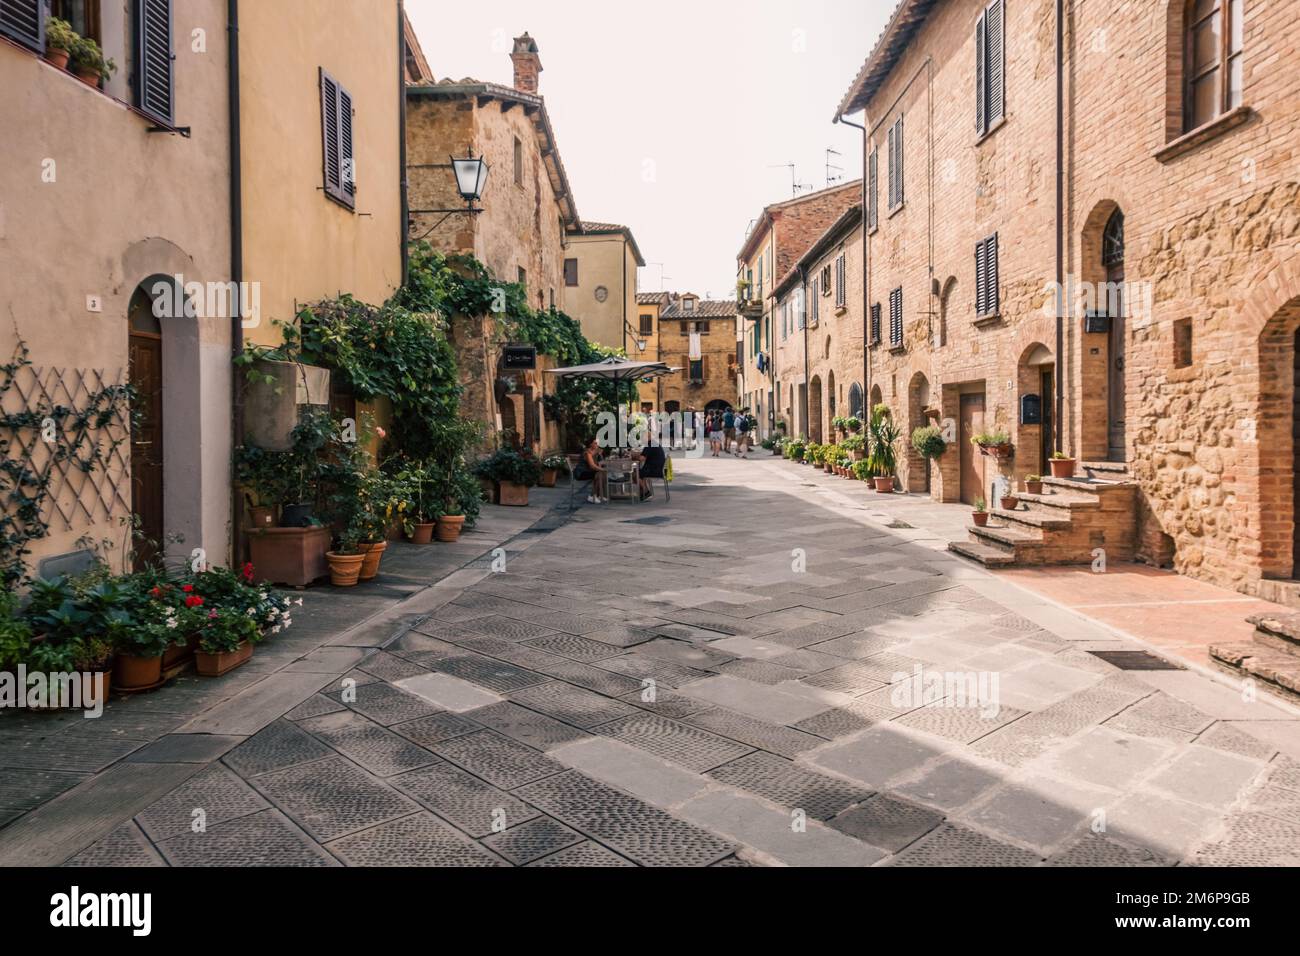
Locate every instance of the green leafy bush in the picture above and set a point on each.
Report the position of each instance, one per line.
(929, 442)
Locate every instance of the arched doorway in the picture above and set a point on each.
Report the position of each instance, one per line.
(1112, 260)
(1035, 377)
(815, 410)
(145, 363)
(918, 400)
(1278, 430)
(855, 401)
(877, 398)
(831, 403)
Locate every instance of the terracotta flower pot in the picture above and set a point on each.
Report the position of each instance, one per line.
(884, 485)
(548, 478)
(1033, 487)
(57, 58)
(135, 673)
(214, 665)
(1010, 503)
(1063, 467)
(372, 554)
(345, 569)
(294, 557)
(262, 517)
(981, 518)
(449, 528)
(89, 77)
(512, 495)
(423, 534)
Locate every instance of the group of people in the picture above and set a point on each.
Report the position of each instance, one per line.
(650, 461)
(727, 427)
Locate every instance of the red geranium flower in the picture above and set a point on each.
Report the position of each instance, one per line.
(156, 592)
(248, 572)
(194, 601)
(188, 589)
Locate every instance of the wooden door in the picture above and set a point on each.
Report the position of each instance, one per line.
(972, 462)
(1047, 437)
(145, 352)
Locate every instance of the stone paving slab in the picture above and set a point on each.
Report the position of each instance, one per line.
(332, 798)
(632, 770)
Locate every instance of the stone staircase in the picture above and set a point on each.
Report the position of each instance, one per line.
(1272, 657)
(1066, 524)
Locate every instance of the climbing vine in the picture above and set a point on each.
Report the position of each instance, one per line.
(63, 437)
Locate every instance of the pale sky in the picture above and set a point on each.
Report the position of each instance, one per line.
(669, 115)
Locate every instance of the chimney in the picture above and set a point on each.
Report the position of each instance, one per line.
(528, 64)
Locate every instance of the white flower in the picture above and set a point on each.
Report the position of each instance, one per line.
(275, 630)
(299, 602)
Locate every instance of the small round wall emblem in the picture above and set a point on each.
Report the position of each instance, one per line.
(601, 293)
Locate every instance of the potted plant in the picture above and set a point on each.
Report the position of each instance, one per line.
(980, 514)
(72, 624)
(856, 446)
(859, 470)
(141, 647)
(226, 640)
(1062, 465)
(1034, 484)
(512, 473)
(1009, 502)
(928, 442)
(60, 41)
(854, 424)
(996, 444)
(553, 465)
(89, 63)
(884, 449)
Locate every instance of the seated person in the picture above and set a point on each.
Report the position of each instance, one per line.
(591, 469)
(651, 460)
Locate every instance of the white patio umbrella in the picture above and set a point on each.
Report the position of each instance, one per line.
(615, 369)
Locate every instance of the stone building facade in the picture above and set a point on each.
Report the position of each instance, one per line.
(819, 358)
(600, 273)
(1180, 258)
(702, 383)
(519, 235)
(780, 236)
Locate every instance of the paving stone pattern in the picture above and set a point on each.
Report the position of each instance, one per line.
(752, 714)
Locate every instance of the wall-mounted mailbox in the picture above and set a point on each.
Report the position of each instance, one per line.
(1031, 410)
(1096, 322)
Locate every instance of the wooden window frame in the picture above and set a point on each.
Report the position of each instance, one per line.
(1222, 63)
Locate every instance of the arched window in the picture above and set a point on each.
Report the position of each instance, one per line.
(855, 401)
(1212, 59)
(1112, 240)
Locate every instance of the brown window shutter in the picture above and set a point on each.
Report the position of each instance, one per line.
(981, 80)
(345, 145)
(873, 188)
(24, 21)
(996, 44)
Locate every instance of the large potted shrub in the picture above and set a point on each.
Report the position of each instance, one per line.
(512, 473)
(293, 553)
(70, 632)
(884, 449)
(553, 465)
(856, 446)
(928, 442)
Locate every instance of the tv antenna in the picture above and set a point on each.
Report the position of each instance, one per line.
(795, 185)
(834, 172)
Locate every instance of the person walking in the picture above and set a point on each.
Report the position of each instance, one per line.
(743, 426)
(714, 430)
(728, 430)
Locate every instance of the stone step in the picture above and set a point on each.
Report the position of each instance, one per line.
(981, 553)
(1278, 632)
(1107, 470)
(1277, 671)
(1010, 540)
(1061, 501)
(1089, 486)
(1044, 521)
(1286, 593)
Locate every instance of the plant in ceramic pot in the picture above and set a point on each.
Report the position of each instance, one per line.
(512, 473)
(928, 442)
(1062, 465)
(856, 446)
(74, 623)
(884, 449)
(226, 640)
(60, 41)
(422, 505)
(89, 63)
(1009, 502)
(553, 465)
(860, 470)
(1034, 484)
(15, 633)
(980, 515)
(853, 424)
(995, 443)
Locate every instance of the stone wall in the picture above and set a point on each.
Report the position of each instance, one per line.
(1207, 223)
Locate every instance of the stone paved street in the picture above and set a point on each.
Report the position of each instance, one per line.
(706, 683)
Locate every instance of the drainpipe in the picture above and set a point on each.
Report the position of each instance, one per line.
(807, 385)
(1060, 227)
(866, 308)
(236, 274)
(401, 121)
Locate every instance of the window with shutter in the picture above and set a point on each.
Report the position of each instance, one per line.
(896, 317)
(986, 276)
(816, 302)
(336, 137)
(990, 66)
(891, 189)
(154, 80)
(896, 164)
(571, 272)
(898, 146)
(873, 189)
(24, 21)
(875, 322)
(841, 292)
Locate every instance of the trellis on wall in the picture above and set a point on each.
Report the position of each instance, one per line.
(64, 447)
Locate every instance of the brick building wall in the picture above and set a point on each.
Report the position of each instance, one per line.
(1204, 400)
